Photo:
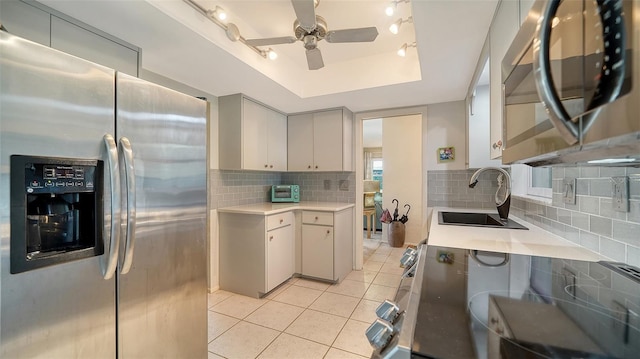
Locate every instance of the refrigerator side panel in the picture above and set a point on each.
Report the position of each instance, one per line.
(53, 105)
(162, 299)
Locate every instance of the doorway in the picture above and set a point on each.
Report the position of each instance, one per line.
(390, 151)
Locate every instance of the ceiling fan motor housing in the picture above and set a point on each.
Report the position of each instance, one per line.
(319, 32)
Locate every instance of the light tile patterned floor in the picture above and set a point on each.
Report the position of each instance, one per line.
(305, 318)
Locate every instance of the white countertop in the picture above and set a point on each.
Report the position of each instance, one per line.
(534, 241)
(274, 208)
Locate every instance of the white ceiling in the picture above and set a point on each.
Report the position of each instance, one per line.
(180, 43)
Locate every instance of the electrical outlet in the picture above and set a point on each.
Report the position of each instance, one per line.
(569, 190)
(344, 185)
(620, 321)
(569, 282)
(620, 193)
(327, 185)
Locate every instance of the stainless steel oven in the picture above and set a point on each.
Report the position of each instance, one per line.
(464, 303)
(570, 83)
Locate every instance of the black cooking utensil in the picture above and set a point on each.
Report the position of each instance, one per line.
(404, 219)
(395, 211)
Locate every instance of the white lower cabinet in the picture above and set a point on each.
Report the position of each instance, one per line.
(280, 256)
(317, 251)
(327, 244)
(257, 252)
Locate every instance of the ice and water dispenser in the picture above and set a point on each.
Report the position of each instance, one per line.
(56, 211)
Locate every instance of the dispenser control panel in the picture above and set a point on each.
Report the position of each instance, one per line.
(57, 212)
(59, 178)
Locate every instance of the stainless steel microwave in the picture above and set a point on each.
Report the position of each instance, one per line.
(285, 193)
(570, 84)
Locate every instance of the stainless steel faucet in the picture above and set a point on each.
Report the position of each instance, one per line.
(504, 182)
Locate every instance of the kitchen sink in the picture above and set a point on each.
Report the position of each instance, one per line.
(489, 220)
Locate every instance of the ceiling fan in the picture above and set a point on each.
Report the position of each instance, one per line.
(311, 28)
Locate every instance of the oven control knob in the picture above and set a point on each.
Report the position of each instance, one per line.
(408, 257)
(388, 311)
(379, 333)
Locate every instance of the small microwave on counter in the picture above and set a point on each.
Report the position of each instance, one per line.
(285, 193)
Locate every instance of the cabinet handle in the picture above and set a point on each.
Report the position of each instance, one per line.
(328, 231)
(270, 166)
(494, 321)
(265, 166)
(316, 218)
(497, 145)
(270, 238)
(309, 167)
(281, 220)
(499, 331)
(316, 167)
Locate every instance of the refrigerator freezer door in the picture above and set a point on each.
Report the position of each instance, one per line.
(162, 299)
(54, 105)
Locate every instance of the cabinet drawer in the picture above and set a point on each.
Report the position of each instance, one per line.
(321, 218)
(279, 220)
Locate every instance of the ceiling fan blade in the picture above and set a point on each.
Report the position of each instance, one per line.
(363, 34)
(305, 13)
(314, 59)
(271, 41)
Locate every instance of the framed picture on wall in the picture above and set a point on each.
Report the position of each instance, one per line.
(446, 154)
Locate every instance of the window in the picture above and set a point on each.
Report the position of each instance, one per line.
(377, 171)
(540, 182)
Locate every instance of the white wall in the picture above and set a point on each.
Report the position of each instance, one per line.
(402, 156)
(445, 128)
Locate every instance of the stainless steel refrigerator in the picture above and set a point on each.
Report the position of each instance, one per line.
(102, 211)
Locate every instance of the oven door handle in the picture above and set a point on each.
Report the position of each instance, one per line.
(558, 115)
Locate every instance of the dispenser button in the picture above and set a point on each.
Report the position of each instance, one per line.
(35, 183)
(60, 184)
(48, 184)
(69, 183)
(79, 183)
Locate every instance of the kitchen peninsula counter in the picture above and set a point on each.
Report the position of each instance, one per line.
(534, 241)
(267, 208)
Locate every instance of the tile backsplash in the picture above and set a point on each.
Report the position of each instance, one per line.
(450, 188)
(233, 188)
(591, 222)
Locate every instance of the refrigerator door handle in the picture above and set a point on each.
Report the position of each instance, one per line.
(129, 172)
(109, 264)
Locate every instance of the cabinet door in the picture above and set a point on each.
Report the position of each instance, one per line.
(254, 136)
(525, 6)
(26, 21)
(504, 27)
(317, 251)
(83, 43)
(277, 141)
(280, 256)
(300, 141)
(327, 140)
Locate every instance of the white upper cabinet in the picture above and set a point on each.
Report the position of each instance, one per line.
(251, 135)
(525, 6)
(504, 27)
(321, 141)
